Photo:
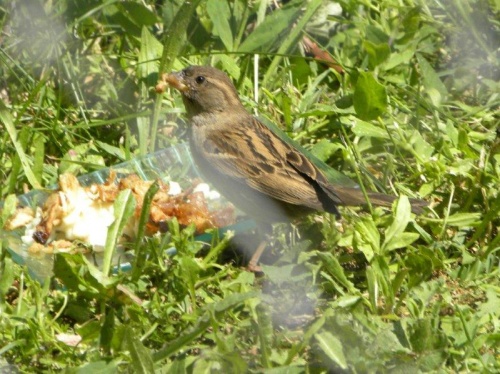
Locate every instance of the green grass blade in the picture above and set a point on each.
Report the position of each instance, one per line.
(124, 208)
(174, 40)
(8, 122)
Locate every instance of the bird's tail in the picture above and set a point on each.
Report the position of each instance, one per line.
(354, 196)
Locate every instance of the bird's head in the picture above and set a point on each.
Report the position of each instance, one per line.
(205, 90)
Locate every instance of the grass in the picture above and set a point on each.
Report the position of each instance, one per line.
(415, 113)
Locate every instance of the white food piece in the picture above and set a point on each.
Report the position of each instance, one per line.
(207, 192)
(27, 238)
(85, 218)
(22, 218)
(174, 188)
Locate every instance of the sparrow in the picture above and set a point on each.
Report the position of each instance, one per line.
(260, 170)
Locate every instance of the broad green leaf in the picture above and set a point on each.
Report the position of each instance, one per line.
(8, 209)
(425, 336)
(89, 331)
(98, 367)
(492, 306)
(463, 167)
(377, 53)
(426, 189)
(272, 28)
(422, 148)
(150, 52)
(99, 276)
(6, 276)
(419, 267)
(399, 58)
(141, 360)
(401, 241)
(177, 366)
(230, 66)
(463, 219)
(370, 97)
(367, 238)
(376, 35)
(220, 14)
(279, 274)
(67, 268)
(138, 13)
(118, 17)
(387, 340)
(401, 218)
(232, 301)
(423, 233)
(332, 347)
(365, 248)
(432, 83)
(112, 150)
(190, 270)
(333, 267)
(324, 149)
(411, 25)
(68, 274)
(291, 40)
(362, 128)
(347, 301)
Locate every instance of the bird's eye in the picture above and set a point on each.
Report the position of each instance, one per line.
(200, 79)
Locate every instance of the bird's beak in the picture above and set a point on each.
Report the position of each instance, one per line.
(176, 81)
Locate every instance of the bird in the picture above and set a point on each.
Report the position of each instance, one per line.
(254, 165)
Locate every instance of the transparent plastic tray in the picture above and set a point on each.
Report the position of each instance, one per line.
(170, 164)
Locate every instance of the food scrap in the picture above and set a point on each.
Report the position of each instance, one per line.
(74, 213)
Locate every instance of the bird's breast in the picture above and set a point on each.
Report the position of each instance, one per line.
(254, 203)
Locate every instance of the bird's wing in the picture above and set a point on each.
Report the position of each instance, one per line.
(252, 154)
(335, 177)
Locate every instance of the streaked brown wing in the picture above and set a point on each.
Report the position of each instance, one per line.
(252, 154)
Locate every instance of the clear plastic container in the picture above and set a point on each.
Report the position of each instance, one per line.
(170, 164)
